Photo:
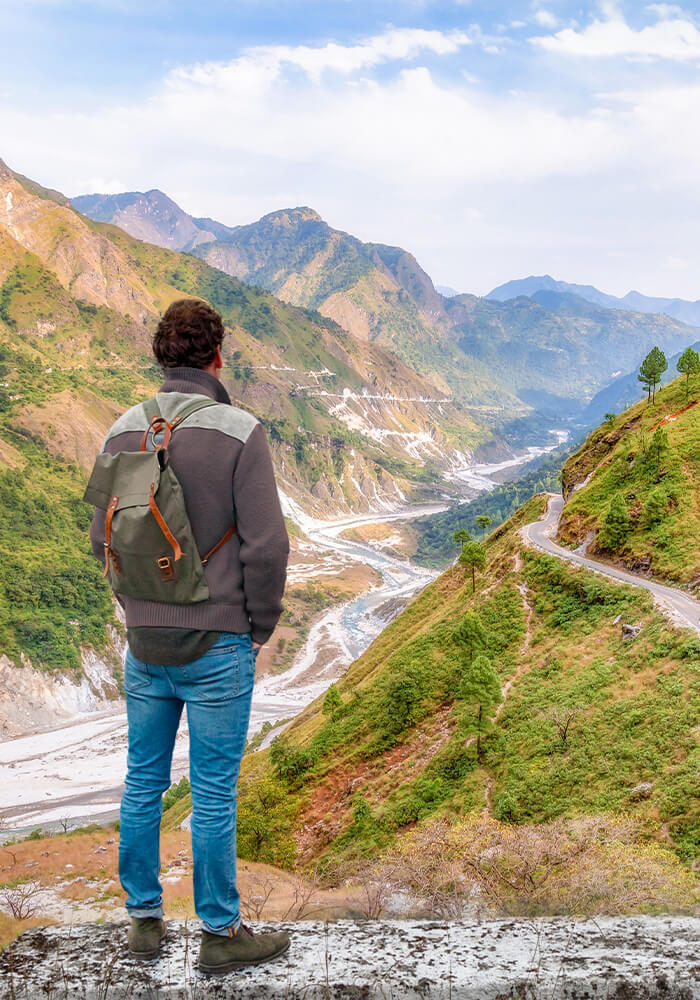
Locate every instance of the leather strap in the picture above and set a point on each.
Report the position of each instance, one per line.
(108, 531)
(177, 551)
(222, 541)
(159, 423)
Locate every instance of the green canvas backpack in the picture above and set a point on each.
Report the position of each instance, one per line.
(150, 551)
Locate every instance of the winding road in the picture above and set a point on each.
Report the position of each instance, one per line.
(684, 610)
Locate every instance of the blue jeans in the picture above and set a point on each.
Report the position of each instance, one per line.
(218, 690)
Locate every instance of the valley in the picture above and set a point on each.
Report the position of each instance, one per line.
(46, 777)
(416, 714)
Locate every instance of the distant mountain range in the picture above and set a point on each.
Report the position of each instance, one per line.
(682, 309)
(501, 359)
(151, 216)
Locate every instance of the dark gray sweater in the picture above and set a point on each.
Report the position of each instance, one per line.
(221, 457)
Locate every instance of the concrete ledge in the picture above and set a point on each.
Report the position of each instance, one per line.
(634, 958)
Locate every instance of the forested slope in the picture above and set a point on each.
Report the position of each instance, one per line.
(633, 487)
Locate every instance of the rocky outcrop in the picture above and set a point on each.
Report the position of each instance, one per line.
(35, 699)
(634, 958)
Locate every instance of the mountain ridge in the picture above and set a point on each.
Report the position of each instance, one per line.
(685, 310)
(501, 360)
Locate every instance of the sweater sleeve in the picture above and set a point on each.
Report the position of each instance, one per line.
(264, 543)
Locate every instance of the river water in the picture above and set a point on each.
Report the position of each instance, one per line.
(76, 771)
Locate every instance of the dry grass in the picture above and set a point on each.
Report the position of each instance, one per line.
(580, 866)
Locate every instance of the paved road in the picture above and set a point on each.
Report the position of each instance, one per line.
(684, 609)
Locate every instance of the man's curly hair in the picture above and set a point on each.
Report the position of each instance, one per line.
(188, 334)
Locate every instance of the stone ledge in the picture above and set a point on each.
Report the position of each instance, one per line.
(633, 958)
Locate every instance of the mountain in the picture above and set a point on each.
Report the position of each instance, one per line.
(502, 361)
(647, 459)
(588, 755)
(682, 309)
(555, 350)
(485, 352)
(151, 216)
(351, 427)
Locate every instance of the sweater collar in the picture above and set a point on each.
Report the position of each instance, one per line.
(184, 379)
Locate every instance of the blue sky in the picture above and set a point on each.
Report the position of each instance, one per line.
(493, 140)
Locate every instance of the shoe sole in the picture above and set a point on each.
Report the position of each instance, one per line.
(221, 970)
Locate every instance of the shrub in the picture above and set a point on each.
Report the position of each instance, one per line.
(616, 525)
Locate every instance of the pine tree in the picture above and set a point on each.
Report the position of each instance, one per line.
(483, 521)
(616, 524)
(462, 536)
(688, 364)
(479, 685)
(651, 370)
(655, 507)
(656, 447)
(473, 555)
(471, 638)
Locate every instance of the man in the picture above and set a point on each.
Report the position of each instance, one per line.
(201, 655)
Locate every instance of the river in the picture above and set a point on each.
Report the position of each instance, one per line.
(76, 771)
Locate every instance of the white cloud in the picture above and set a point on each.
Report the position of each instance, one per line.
(394, 44)
(665, 10)
(671, 37)
(546, 18)
(479, 185)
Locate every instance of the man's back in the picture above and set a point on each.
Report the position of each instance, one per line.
(222, 461)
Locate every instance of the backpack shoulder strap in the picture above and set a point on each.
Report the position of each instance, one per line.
(189, 408)
(157, 422)
(151, 409)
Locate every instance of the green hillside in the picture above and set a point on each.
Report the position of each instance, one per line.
(362, 774)
(647, 460)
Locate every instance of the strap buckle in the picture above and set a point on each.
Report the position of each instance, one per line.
(166, 568)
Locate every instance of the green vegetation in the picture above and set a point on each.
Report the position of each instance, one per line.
(176, 792)
(589, 725)
(473, 556)
(689, 365)
(52, 597)
(616, 525)
(651, 370)
(646, 462)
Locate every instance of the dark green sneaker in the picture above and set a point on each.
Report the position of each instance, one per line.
(145, 936)
(225, 954)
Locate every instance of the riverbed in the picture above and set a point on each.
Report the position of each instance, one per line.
(77, 771)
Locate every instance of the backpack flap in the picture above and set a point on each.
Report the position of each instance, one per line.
(149, 545)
